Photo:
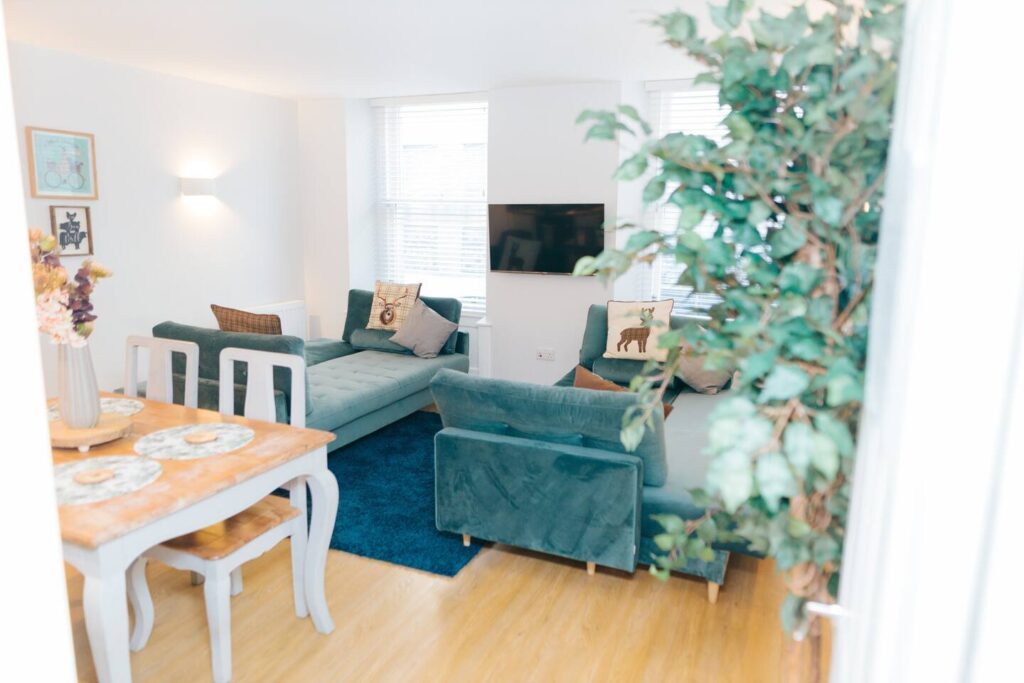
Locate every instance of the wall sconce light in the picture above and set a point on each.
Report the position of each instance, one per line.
(197, 187)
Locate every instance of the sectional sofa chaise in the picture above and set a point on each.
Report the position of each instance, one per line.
(542, 467)
(354, 385)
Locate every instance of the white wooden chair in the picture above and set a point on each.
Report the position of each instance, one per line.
(218, 552)
(159, 382)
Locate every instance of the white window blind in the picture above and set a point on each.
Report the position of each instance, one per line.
(432, 197)
(693, 110)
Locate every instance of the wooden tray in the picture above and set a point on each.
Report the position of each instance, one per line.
(110, 427)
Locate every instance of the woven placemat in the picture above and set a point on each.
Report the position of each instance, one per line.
(130, 473)
(170, 444)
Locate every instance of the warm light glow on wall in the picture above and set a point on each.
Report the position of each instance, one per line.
(198, 187)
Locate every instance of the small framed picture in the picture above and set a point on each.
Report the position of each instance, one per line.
(61, 164)
(72, 226)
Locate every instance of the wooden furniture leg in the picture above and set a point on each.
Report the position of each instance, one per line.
(713, 592)
(323, 488)
(142, 605)
(105, 603)
(466, 539)
(591, 568)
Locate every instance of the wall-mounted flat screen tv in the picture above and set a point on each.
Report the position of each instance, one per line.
(544, 238)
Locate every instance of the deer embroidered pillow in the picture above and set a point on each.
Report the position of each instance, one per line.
(391, 304)
(633, 329)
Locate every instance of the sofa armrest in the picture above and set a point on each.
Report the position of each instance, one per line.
(462, 342)
(576, 502)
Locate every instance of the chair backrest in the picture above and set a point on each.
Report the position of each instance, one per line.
(259, 388)
(159, 383)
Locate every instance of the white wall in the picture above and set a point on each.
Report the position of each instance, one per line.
(536, 154)
(323, 211)
(172, 257)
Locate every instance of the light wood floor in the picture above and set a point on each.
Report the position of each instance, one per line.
(508, 616)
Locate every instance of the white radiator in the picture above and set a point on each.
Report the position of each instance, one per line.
(292, 314)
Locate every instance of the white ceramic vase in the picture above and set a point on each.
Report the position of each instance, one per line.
(78, 394)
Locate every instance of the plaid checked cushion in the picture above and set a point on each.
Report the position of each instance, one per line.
(234, 320)
(391, 303)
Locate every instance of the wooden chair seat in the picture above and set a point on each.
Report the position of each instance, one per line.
(220, 540)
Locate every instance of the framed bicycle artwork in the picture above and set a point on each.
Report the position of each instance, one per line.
(61, 164)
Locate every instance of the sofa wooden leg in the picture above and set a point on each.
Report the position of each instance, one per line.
(591, 568)
(465, 540)
(713, 592)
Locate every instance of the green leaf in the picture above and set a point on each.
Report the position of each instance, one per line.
(739, 127)
(731, 476)
(672, 524)
(835, 430)
(825, 456)
(792, 612)
(829, 209)
(799, 278)
(678, 26)
(783, 383)
(843, 389)
(631, 112)
(798, 445)
(665, 542)
(758, 365)
(632, 168)
(654, 190)
(639, 241)
(774, 480)
(787, 239)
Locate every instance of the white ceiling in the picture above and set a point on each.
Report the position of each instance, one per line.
(363, 48)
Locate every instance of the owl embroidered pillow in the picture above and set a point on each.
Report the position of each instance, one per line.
(634, 329)
(391, 304)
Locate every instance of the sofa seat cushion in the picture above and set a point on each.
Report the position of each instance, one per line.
(686, 438)
(349, 387)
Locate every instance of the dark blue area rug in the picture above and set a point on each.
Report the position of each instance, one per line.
(386, 499)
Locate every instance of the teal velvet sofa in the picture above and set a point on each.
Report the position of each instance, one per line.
(355, 385)
(542, 467)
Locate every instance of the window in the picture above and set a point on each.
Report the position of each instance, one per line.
(432, 197)
(683, 108)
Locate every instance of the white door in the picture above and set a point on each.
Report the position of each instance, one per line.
(937, 457)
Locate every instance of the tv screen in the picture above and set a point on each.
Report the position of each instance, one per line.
(544, 238)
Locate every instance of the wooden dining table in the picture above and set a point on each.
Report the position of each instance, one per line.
(102, 539)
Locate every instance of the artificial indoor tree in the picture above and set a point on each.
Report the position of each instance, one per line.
(796, 193)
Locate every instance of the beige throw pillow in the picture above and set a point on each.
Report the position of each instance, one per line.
(391, 304)
(692, 371)
(632, 333)
(425, 331)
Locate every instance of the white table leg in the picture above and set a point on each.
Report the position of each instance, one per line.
(323, 488)
(142, 605)
(106, 621)
(236, 581)
(217, 592)
(300, 530)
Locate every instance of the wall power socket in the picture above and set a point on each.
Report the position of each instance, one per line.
(545, 354)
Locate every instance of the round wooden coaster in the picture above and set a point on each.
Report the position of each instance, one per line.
(94, 476)
(196, 438)
(109, 428)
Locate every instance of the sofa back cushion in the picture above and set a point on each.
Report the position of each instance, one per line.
(211, 342)
(360, 301)
(562, 415)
